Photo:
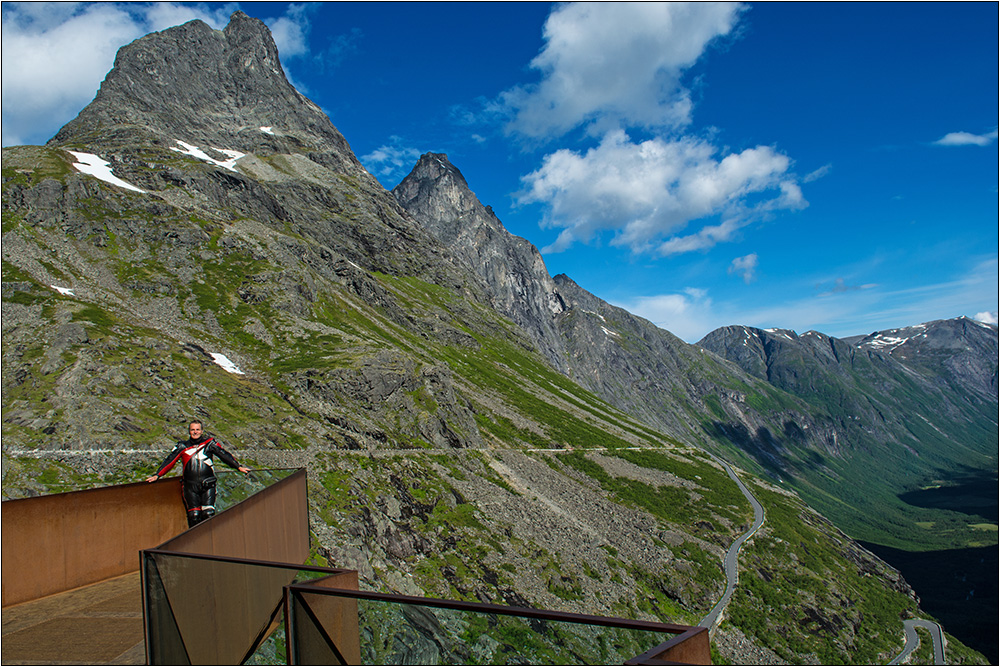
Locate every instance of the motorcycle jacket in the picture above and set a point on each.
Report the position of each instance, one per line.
(196, 460)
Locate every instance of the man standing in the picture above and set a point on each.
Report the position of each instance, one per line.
(196, 454)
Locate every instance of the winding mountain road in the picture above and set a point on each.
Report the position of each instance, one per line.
(913, 640)
(732, 556)
(732, 578)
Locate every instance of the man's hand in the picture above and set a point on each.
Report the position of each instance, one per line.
(152, 478)
(244, 469)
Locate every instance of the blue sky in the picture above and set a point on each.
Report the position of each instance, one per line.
(826, 166)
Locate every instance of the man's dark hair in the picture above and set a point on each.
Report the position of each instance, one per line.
(196, 421)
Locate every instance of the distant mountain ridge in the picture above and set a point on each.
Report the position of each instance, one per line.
(960, 350)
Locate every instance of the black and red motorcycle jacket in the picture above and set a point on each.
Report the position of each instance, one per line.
(196, 459)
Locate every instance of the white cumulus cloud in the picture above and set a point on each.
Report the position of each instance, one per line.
(616, 63)
(987, 317)
(644, 192)
(391, 161)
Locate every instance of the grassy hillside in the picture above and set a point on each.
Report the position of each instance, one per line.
(445, 456)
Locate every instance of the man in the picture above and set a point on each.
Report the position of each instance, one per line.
(196, 455)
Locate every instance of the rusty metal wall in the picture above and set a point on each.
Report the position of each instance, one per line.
(272, 525)
(688, 648)
(339, 616)
(221, 606)
(63, 541)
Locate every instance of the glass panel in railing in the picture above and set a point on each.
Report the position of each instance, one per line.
(222, 609)
(234, 487)
(402, 633)
(164, 645)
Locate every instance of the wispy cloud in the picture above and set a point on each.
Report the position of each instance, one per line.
(643, 192)
(745, 266)
(817, 174)
(391, 161)
(688, 315)
(840, 286)
(967, 139)
(843, 310)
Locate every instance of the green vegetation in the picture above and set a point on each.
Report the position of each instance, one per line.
(717, 495)
(318, 345)
(803, 593)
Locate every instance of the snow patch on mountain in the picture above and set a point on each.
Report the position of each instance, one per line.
(194, 151)
(223, 360)
(881, 342)
(88, 163)
(780, 332)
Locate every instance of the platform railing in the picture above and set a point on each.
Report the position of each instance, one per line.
(217, 610)
(406, 630)
(63, 541)
(235, 590)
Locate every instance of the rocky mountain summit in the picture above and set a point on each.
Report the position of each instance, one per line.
(436, 194)
(472, 427)
(213, 89)
(961, 352)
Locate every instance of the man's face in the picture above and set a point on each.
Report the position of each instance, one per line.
(195, 431)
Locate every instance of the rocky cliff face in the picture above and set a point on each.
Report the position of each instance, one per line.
(436, 194)
(448, 454)
(622, 358)
(213, 89)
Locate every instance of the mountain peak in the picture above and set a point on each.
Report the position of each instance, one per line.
(436, 194)
(218, 88)
(436, 163)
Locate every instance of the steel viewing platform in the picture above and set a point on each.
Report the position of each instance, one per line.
(113, 575)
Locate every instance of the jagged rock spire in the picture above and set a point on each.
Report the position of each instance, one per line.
(436, 194)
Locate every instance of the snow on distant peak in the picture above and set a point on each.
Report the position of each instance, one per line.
(609, 332)
(780, 332)
(194, 151)
(226, 364)
(881, 341)
(267, 130)
(88, 163)
(65, 291)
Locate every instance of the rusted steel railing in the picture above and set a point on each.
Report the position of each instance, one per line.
(59, 542)
(317, 614)
(691, 647)
(213, 593)
(271, 525)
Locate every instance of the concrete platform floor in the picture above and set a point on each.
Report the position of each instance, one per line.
(100, 624)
